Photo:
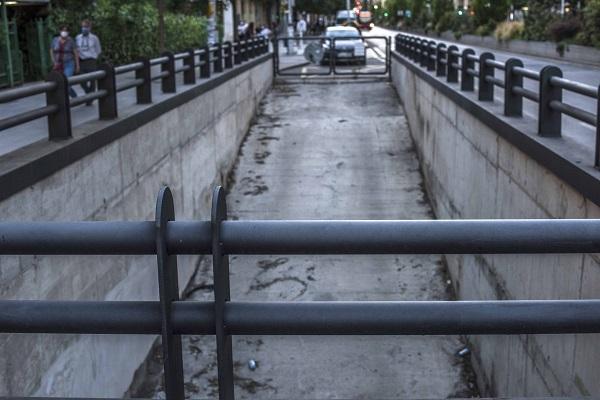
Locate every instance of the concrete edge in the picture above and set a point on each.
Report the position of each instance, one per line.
(26, 166)
(557, 155)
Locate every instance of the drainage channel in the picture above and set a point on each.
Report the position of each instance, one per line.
(326, 151)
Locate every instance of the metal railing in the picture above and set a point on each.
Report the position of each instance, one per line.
(448, 62)
(58, 106)
(223, 317)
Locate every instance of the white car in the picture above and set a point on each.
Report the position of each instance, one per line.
(348, 43)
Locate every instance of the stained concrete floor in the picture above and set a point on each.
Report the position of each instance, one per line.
(327, 151)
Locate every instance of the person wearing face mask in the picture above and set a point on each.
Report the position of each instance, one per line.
(88, 46)
(63, 53)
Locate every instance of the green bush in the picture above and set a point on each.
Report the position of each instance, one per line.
(446, 22)
(539, 17)
(485, 29)
(184, 32)
(509, 30)
(489, 12)
(564, 29)
(590, 33)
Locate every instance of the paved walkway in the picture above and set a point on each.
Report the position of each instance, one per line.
(319, 151)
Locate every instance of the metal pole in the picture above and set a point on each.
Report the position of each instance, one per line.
(9, 65)
(348, 10)
(222, 297)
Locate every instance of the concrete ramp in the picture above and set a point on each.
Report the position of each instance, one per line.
(329, 151)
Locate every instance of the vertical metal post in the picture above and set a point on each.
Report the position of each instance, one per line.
(6, 34)
(275, 55)
(431, 53)
(218, 62)
(452, 57)
(189, 76)
(423, 45)
(205, 59)
(513, 103)
(597, 158)
(549, 120)
(245, 50)
(144, 91)
(237, 58)
(107, 105)
(222, 296)
(169, 292)
(467, 81)
(59, 123)
(440, 68)
(486, 89)
(168, 83)
(228, 55)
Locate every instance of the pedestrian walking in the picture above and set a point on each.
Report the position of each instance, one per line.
(301, 31)
(64, 56)
(89, 48)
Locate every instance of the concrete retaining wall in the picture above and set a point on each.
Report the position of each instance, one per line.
(191, 148)
(472, 172)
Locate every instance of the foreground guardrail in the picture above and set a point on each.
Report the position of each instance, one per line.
(210, 59)
(171, 317)
(448, 62)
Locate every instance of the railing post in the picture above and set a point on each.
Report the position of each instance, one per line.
(169, 292)
(440, 68)
(107, 105)
(218, 62)
(467, 81)
(452, 57)
(228, 55)
(486, 89)
(254, 44)
(549, 120)
(597, 158)
(432, 49)
(416, 52)
(423, 44)
(144, 91)
(246, 49)
(205, 67)
(237, 58)
(189, 76)
(59, 123)
(168, 83)
(513, 103)
(221, 297)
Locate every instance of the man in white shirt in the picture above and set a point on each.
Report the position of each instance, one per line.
(301, 30)
(89, 49)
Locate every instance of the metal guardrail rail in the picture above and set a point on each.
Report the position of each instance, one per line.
(224, 317)
(208, 60)
(448, 62)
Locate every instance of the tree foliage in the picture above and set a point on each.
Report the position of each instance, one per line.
(540, 16)
(489, 12)
(323, 7)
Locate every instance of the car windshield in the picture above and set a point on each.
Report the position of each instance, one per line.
(343, 33)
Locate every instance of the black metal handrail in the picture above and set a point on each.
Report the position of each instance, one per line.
(224, 317)
(58, 105)
(550, 81)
